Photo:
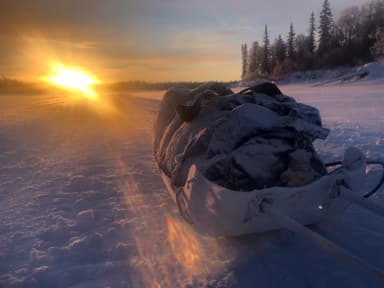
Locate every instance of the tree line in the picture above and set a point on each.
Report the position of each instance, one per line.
(10, 86)
(144, 85)
(356, 37)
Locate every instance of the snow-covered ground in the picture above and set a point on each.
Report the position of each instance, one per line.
(368, 72)
(82, 203)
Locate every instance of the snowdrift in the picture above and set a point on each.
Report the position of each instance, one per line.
(368, 72)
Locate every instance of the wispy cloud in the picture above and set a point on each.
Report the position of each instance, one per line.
(144, 38)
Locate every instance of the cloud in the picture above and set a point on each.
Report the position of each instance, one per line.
(181, 38)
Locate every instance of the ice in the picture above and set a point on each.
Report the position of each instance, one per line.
(82, 203)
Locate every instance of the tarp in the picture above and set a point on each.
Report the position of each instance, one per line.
(254, 139)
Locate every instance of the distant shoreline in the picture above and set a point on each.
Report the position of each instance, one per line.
(369, 71)
(14, 86)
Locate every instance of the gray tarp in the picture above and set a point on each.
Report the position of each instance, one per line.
(251, 140)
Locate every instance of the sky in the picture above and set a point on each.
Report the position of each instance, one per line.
(152, 40)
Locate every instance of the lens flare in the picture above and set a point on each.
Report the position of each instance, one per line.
(80, 85)
(73, 79)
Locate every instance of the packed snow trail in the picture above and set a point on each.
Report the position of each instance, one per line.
(82, 203)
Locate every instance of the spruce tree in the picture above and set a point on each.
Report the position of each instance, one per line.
(301, 45)
(311, 36)
(244, 58)
(280, 49)
(291, 43)
(253, 58)
(325, 28)
(266, 62)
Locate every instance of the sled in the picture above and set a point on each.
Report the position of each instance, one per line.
(220, 212)
(217, 211)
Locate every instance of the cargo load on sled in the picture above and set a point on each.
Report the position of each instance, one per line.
(239, 163)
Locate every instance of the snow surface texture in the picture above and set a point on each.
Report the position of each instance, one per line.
(243, 142)
(368, 72)
(82, 204)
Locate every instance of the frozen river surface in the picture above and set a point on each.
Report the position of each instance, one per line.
(82, 203)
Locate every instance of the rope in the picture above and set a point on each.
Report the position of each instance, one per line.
(369, 162)
(377, 187)
(323, 243)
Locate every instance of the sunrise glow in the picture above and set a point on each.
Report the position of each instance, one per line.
(73, 79)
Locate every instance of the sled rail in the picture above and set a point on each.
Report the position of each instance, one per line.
(323, 243)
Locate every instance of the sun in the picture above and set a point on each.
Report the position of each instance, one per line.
(73, 79)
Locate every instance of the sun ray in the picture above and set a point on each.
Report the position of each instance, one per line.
(73, 79)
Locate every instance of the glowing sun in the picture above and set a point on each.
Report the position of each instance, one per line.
(73, 79)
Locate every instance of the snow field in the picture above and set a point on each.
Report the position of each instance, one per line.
(82, 203)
